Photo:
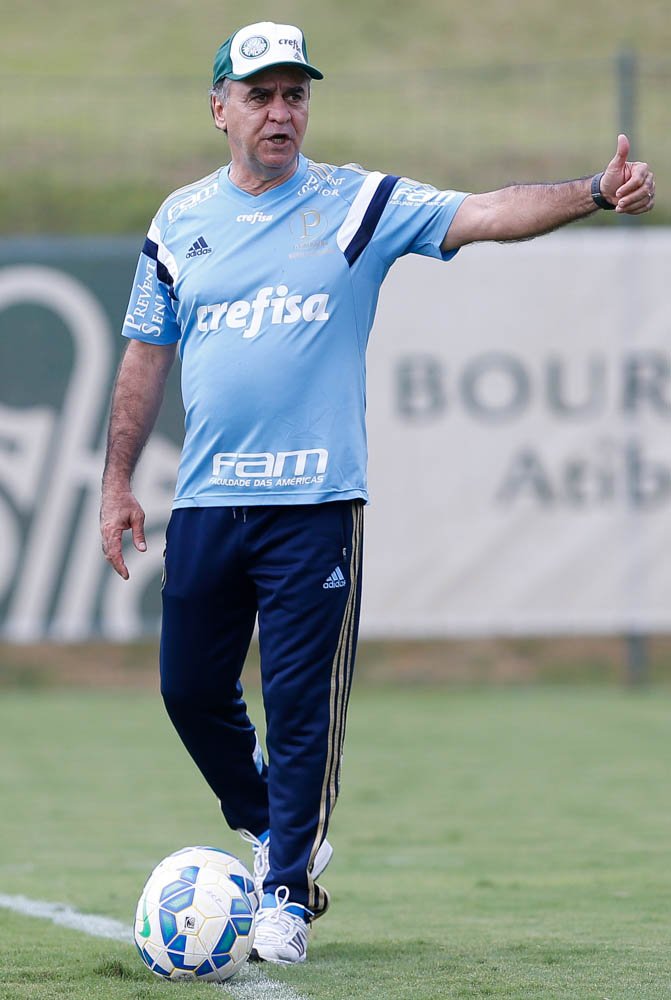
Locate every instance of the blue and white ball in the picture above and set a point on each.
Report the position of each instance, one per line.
(195, 920)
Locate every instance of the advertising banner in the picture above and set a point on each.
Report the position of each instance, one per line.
(518, 410)
(61, 307)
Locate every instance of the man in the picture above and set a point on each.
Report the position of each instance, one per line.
(267, 274)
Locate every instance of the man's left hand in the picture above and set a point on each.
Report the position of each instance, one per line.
(628, 186)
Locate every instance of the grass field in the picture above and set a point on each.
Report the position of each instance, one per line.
(105, 110)
(491, 842)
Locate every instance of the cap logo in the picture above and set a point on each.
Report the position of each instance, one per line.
(254, 47)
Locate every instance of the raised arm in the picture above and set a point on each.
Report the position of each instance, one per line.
(136, 401)
(526, 210)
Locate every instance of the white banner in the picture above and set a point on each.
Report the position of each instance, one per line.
(520, 461)
(520, 456)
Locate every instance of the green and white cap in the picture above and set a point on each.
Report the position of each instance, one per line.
(260, 46)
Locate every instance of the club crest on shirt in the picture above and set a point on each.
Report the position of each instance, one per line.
(308, 227)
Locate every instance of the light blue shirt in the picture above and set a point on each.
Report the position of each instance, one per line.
(272, 298)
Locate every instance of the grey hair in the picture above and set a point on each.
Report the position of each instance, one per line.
(220, 91)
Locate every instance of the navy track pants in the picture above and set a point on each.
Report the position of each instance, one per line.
(299, 569)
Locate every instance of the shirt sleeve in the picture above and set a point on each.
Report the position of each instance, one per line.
(396, 216)
(151, 314)
(415, 220)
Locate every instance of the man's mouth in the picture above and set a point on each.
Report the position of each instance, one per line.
(279, 138)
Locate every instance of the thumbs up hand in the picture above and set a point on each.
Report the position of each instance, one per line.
(628, 186)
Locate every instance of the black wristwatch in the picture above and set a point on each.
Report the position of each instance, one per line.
(597, 197)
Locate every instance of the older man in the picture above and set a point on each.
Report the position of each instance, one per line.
(267, 273)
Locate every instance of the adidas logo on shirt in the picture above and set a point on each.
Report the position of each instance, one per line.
(336, 579)
(199, 248)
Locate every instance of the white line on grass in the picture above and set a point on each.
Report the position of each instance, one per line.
(59, 913)
(249, 984)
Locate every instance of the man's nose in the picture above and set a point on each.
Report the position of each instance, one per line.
(279, 110)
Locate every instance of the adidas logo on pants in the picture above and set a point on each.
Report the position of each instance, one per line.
(336, 579)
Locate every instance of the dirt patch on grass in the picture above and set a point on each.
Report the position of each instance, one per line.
(514, 661)
(95, 664)
(477, 661)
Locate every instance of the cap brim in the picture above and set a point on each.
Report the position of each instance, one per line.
(309, 70)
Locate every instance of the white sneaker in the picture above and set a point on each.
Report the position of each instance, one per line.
(280, 929)
(261, 850)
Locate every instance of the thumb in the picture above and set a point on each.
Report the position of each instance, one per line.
(622, 153)
(137, 528)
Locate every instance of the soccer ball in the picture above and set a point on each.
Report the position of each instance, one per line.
(194, 920)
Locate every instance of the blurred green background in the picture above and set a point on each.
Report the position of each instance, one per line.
(105, 109)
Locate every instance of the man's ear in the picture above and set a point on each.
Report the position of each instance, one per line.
(218, 113)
